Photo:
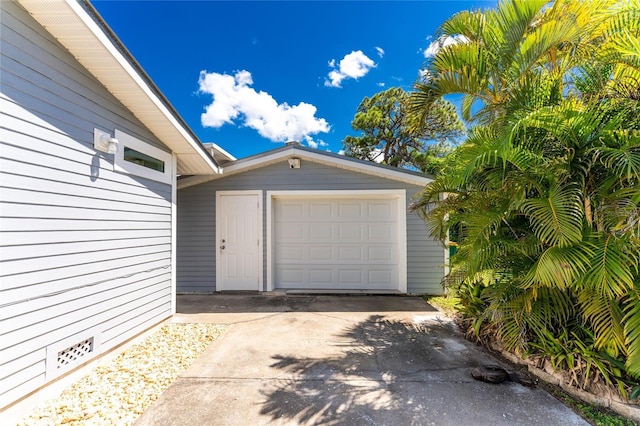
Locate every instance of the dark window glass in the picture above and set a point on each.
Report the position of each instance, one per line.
(144, 160)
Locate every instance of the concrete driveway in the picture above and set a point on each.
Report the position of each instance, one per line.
(340, 360)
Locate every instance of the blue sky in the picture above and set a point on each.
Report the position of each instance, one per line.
(252, 75)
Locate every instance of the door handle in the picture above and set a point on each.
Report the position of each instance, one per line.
(221, 247)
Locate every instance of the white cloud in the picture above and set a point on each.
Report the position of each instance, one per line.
(380, 51)
(377, 155)
(233, 98)
(354, 65)
(315, 144)
(442, 41)
(424, 74)
(380, 84)
(341, 152)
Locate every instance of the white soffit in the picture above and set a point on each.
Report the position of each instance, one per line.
(75, 29)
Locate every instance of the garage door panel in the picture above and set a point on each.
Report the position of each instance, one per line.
(321, 276)
(381, 254)
(350, 232)
(338, 277)
(381, 277)
(336, 244)
(290, 253)
(320, 231)
(350, 276)
(321, 254)
(350, 254)
(381, 232)
(291, 232)
(289, 276)
(286, 210)
(380, 210)
(320, 210)
(349, 210)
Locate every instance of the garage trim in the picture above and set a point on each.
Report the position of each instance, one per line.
(399, 194)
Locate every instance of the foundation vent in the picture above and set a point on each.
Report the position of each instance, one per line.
(65, 355)
(73, 354)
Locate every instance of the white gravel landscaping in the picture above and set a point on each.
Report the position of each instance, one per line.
(119, 392)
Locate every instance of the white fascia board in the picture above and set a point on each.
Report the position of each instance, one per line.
(264, 160)
(219, 149)
(365, 168)
(44, 11)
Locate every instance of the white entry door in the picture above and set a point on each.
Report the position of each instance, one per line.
(239, 235)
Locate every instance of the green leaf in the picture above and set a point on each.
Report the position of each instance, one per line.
(560, 266)
(605, 317)
(557, 218)
(631, 323)
(613, 265)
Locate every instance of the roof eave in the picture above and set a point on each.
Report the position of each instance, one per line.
(277, 155)
(80, 29)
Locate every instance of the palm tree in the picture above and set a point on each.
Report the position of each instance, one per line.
(545, 192)
(508, 58)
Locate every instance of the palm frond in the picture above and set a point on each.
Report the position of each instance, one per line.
(559, 266)
(605, 317)
(537, 46)
(623, 161)
(557, 218)
(613, 266)
(511, 21)
(469, 24)
(631, 323)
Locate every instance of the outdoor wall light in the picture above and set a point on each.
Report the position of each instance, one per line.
(102, 141)
(294, 163)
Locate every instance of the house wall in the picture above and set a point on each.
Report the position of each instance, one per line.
(85, 251)
(196, 269)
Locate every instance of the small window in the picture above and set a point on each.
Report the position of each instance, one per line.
(137, 157)
(140, 158)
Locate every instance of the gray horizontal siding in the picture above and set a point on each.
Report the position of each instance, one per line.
(195, 246)
(83, 248)
(196, 221)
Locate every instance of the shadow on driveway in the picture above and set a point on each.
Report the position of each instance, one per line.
(315, 361)
(362, 385)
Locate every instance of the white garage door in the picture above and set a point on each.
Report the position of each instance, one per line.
(344, 243)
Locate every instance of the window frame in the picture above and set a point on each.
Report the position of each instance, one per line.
(123, 166)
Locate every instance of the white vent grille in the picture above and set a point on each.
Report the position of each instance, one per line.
(73, 354)
(77, 349)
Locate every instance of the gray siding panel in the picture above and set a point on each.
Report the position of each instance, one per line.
(196, 241)
(196, 221)
(85, 251)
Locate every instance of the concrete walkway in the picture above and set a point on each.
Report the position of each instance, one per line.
(340, 360)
